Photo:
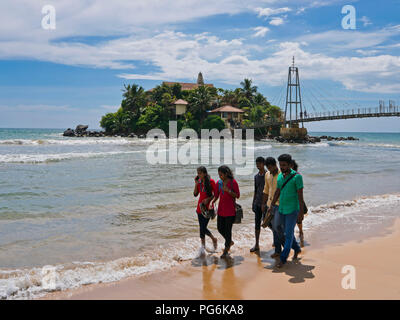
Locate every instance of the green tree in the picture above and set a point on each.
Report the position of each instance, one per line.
(274, 112)
(118, 122)
(107, 122)
(134, 100)
(213, 122)
(259, 99)
(229, 97)
(155, 116)
(124, 121)
(257, 114)
(200, 101)
(248, 89)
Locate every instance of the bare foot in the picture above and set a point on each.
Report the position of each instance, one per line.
(301, 240)
(215, 242)
(224, 254)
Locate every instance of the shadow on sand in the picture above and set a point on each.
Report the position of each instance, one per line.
(210, 259)
(297, 271)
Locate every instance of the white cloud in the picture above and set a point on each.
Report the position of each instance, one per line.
(260, 31)
(343, 40)
(266, 12)
(276, 21)
(180, 56)
(365, 20)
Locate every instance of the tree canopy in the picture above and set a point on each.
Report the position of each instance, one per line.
(143, 110)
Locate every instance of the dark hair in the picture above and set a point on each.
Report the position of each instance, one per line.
(226, 170)
(285, 158)
(295, 165)
(270, 161)
(260, 160)
(207, 183)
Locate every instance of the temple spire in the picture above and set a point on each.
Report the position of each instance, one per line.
(200, 80)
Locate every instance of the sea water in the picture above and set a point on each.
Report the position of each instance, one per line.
(96, 211)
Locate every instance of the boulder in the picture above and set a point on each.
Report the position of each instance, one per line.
(69, 133)
(81, 128)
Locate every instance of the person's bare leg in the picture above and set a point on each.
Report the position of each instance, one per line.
(301, 234)
(257, 245)
(215, 242)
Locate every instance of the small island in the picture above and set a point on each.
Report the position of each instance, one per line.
(196, 106)
(193, 105)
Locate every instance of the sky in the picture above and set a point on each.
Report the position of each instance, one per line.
(74, 73)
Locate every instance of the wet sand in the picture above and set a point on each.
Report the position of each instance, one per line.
(316, 275)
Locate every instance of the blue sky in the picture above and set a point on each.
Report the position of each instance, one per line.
(75, 73)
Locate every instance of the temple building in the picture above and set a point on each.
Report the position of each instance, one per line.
(190, 86)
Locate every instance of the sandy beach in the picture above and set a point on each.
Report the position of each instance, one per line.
(316, 275)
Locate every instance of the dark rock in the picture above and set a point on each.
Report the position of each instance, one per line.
(81, 128)
(69, 133)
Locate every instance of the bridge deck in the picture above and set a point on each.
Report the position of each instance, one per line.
(327, 116)
(349, 116)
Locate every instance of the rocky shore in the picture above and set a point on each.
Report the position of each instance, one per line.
(311, 139)
(81, 131)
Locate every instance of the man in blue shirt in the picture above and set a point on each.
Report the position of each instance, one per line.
(291, 205)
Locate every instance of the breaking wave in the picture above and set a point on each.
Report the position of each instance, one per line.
(29, 283)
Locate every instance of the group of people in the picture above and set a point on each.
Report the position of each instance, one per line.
(278, 198)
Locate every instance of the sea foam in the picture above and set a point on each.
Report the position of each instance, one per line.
(28, 283)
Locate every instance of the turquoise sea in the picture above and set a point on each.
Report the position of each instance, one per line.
(96, 211)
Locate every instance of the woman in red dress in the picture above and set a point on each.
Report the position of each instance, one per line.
(227, 190)
(204, 186)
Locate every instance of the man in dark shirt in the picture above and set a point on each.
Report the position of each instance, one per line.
(259, 181)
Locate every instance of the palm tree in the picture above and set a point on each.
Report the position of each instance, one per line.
(248, 89)
(200, 101)
(230, 97)
(134, 99)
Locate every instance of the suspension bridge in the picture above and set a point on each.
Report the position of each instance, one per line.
(315, 103)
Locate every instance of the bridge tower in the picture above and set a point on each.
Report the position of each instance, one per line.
(294, 107)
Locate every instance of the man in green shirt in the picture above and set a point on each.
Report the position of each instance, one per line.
(291, 205)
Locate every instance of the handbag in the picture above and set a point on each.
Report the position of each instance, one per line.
(207, 213)
(239, 213)
(267, 219)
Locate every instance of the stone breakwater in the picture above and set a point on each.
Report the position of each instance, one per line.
(311, 139)
(81, 131)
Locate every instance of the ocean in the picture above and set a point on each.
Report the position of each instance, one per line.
(96, 211)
